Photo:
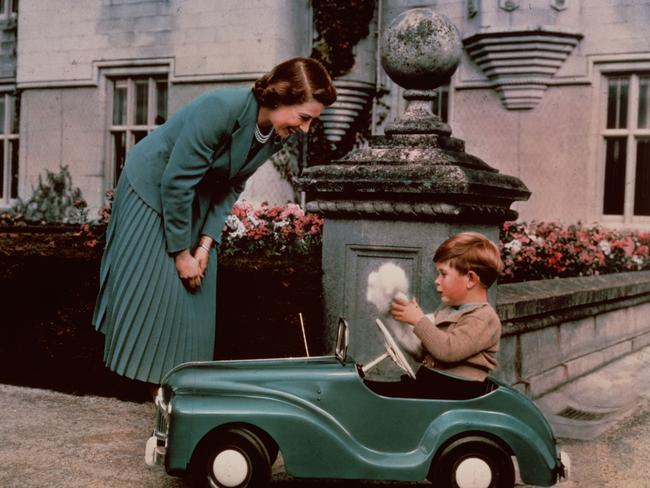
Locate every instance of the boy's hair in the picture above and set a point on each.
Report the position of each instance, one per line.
(471, 251)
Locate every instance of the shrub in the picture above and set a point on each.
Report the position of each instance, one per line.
(54, 201)
(541, 250)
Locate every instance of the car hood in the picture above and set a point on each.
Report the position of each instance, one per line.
(214, 375)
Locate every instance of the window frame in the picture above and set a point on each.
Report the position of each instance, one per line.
(152, 74)
(9, 9)
(11, 98)
(632, 133)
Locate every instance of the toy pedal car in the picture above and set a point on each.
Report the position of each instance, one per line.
(224, 423)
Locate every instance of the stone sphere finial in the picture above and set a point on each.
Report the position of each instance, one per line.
(420, 50)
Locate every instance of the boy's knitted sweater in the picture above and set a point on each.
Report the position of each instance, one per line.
(462, 341)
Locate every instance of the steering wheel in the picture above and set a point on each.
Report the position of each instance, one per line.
(394, 351)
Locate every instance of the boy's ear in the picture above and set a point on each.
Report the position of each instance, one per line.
(473, 279)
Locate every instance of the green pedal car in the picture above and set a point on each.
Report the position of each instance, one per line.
(224, 423)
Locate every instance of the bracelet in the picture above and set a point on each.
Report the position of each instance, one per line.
(204, 247)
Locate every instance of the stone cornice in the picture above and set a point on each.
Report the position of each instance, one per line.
(404, 210)
(520, 62)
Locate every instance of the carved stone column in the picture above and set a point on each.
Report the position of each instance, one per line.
(412, 188)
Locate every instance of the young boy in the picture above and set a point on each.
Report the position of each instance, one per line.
(462, 337)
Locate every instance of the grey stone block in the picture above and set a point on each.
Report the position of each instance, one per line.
(540, 351)
(546, 381)
(641, 341)
(507, 357)
(614, 326)
(584, 364)
(617, 351)
(577, 337)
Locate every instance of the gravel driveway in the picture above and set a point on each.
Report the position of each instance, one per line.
(58, 440)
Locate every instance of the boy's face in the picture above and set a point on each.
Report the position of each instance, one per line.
(452, 286)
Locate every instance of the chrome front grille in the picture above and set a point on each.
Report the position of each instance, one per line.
(162, 424)
(161, 429)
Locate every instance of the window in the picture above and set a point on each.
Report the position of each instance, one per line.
(440, 105)
(626, 140)
(8, 8)
(8, 148)
(139, 105)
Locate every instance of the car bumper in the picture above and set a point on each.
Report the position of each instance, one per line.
(154, 452)
(563, 468)
(156, 448)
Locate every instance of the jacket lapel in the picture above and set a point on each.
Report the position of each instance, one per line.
(265, 152)
(243, 135)
(242, 139)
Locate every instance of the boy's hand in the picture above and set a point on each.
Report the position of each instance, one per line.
(405, 311)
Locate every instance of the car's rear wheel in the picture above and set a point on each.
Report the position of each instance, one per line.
(473, 462)
(235, 458)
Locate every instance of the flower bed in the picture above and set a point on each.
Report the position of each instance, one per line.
(530, 251)
(271, 231)
(541, 250)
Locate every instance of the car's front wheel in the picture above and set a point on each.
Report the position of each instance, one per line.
(473, 462)
(235, 458)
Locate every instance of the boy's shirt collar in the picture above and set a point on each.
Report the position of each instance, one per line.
(447, 313)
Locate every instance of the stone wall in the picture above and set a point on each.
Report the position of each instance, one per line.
(556, 147)
(557, 330)
(68, 50)
(64, 41)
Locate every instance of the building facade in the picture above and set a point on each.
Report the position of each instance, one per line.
(555, 92)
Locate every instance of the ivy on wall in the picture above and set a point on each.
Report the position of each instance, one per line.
(340, 25)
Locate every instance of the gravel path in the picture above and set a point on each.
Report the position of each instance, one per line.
(57, 440)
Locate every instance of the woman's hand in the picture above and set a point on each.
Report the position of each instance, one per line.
(202, 253)
(405, 311)
(188, 269)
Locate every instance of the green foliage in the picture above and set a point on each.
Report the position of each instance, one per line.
(340, 24)
(54, 201)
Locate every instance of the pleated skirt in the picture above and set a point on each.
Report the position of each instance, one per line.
(150, 320)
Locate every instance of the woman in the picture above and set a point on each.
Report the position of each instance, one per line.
(157, 298)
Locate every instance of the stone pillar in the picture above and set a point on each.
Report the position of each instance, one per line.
(400, 198)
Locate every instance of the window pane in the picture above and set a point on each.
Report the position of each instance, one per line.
(441, 102)
(622, 109)
(119, 105)
(119, 153)
(138, 135)
(614, 198)
(15, 111)
(2, 114)
(3, 7)
(141, 101)
(642, 181)
(2, 169)
(161, 99)
(14, 168)
(644, 86)
(14, 6)
(617, 103)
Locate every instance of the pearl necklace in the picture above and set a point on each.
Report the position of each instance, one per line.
(262, 138)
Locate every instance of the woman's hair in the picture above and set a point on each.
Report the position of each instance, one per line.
(471, 251)
(293, 82)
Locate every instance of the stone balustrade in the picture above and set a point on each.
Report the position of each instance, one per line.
(558, 330)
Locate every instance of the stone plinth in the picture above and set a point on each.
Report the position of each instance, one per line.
(400, 198)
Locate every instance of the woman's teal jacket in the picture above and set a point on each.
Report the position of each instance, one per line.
(192, 168)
